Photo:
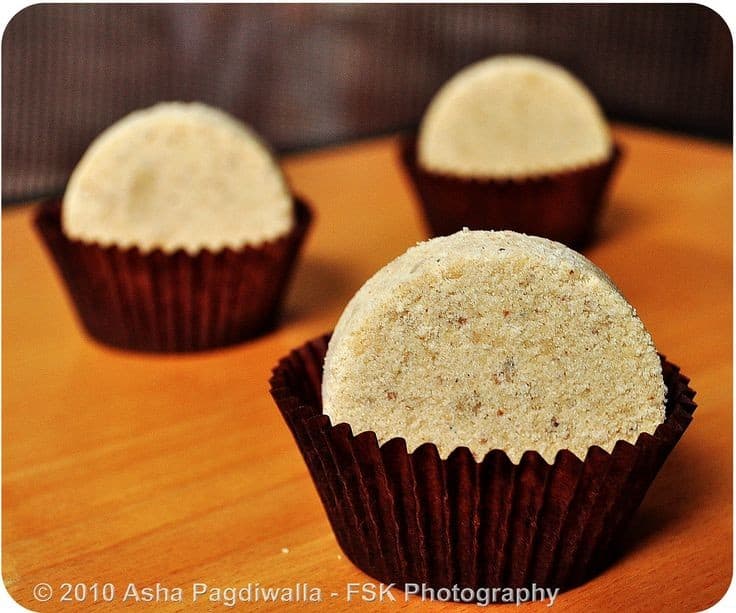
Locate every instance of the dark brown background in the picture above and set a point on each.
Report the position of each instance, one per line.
(308, 75)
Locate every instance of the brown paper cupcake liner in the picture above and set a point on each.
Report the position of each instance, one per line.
(416, 518)
(563, 206)
(172, 302)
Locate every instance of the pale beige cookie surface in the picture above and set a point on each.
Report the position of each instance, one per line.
(493, 340)
(177, 176)
(512, 117)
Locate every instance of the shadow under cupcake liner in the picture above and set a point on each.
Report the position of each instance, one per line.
(416, 518)
(173, 302)
(563, 206)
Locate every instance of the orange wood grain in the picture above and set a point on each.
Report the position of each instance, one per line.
(126, 468)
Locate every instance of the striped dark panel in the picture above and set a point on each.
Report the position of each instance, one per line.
(308, 75)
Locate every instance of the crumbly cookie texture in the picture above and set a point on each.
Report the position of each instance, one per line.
(177, 176)
(493, 340)
(512, 117)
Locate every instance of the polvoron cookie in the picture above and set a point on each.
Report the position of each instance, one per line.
(177, 231)
(494, 340)
(513, 143)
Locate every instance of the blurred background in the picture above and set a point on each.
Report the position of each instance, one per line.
(309, 75)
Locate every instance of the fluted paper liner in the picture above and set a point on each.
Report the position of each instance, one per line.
(416, 518)
(172, 302)
(561, 206)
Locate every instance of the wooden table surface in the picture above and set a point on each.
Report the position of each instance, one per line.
(177, 470)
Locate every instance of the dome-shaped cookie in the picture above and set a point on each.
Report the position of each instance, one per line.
(512, 117)
(493, 340)
(177, 176)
